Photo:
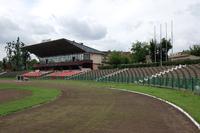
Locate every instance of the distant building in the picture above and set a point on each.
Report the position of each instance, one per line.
(63, 54)
(182, 56)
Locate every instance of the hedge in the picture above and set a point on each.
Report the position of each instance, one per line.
(169, 63)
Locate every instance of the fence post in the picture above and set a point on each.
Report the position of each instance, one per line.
(192, 84)
(186, 83)
(160, 81)
(128, 79)
(118, 78)
(178, 83)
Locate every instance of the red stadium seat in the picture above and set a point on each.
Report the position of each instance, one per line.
(35, 74)
(63, 73)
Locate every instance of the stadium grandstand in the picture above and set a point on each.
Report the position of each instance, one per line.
(63, 57)
(180, 76)
(63, 54)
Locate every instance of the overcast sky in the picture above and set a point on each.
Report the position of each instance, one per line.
(101, 24)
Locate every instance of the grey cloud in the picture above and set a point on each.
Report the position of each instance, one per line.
(7, 24)
(29, 30)
(109, 43)
(194, 9)
(133, 26)
(138, 25)
(9, 29)
(40, 28)
(84, 29)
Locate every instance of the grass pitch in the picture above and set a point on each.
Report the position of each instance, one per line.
(39, 96)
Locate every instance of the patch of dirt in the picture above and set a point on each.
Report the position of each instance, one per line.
(86, 109)
(7, 95)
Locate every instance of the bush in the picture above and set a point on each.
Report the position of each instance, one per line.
(136, 65)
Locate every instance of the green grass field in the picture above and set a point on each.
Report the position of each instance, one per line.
(39, 96)
(187, 100)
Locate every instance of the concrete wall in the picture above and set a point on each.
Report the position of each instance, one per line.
(97, 60)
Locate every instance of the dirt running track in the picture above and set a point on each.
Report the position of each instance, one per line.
(97, 110)
(11, 94)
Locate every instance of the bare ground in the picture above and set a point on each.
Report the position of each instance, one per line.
(97, 110)
(7, 95)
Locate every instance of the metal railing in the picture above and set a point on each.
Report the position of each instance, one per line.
(192, 84)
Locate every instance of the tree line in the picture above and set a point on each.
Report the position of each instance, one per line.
(147, 52)
(140, 51)
(16, 58)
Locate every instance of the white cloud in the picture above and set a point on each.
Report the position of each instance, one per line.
(8, 28)
(82, 29)
(103, 24)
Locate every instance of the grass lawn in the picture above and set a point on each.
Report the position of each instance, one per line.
(187, 100)
(39, 96)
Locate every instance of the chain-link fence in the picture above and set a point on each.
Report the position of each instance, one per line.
(170, 82)
(192, 84)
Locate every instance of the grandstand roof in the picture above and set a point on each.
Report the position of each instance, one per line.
(59, 47)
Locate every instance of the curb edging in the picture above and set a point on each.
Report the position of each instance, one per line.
(167, 102)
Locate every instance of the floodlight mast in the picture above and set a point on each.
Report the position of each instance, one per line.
(166, 42)
(166, 50)
(155, 44)
(172, 36)
(160, 44)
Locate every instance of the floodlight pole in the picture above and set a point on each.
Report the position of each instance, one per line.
(172, 37)
(155, 44)
(160, 44)
(166, 43)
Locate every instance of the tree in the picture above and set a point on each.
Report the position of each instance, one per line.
(165, 46)
(16, 58)
(116, 58)
(195, 50)
(31, 63)
(153, 50)
(159, 50)
(125, 59)
(25, 59)
(1, 65)
(4, 64)
(139, 51)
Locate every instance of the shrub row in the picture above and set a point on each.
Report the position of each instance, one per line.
(169, 63)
